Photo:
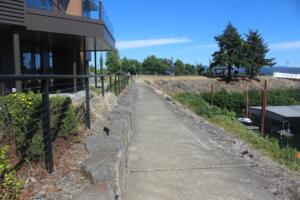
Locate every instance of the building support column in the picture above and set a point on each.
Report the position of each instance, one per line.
(17, 58)
(95, 61)
(75, 66)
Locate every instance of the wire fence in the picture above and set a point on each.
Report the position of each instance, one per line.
(28, 109)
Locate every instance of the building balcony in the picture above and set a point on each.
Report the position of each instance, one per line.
(79, 17)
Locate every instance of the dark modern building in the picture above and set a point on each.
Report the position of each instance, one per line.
(51, 36)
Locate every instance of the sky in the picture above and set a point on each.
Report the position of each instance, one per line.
(185, 29)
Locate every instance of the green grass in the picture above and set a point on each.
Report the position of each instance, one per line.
(227, 120)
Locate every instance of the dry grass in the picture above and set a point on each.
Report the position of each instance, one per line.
(198, 84)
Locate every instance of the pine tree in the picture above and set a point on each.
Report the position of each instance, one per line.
(230, 49)
(255, 53)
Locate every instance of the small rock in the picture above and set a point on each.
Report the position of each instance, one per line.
(274, 191)
(298, 192)
(245, 152)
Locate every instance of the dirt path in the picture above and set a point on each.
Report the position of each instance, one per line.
(172, 157)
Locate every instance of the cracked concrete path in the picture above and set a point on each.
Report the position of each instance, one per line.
(169, 158)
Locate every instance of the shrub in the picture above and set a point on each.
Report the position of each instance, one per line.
(10, 185)
(21, 113)
(236, 101)
(63, 116)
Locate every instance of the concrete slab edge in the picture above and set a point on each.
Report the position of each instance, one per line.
(107, 161)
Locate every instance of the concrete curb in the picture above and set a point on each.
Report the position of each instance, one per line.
(107, 161)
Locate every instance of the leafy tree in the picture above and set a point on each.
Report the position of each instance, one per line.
(113, 62)
(255, 53)
(154, 65)
(199, 68)
(179, 67)
(189, 69)
(230, 49)
(131, 66)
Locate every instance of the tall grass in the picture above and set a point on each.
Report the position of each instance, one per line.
(227, 120)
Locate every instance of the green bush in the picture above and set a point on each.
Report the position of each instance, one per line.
(63, 116)
(22, 113)
(227, 120)
(236, 101)
(10, 185)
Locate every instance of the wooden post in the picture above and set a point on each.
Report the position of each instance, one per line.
(247, 103)
(263, 108)
(102, 85)
(212, 94)
(110, 83)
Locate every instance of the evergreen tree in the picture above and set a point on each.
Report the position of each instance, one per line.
(255, 53)
(113, 62)
(230, 49)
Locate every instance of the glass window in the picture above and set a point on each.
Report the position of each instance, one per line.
(91, 9)
(63, 4)
(40, 4)
(26, 63)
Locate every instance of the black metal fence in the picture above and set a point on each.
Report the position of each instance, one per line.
(45, 85)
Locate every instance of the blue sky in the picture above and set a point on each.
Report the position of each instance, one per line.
(185, 29)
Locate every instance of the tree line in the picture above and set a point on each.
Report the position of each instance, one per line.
(150, 65)
(236, 51)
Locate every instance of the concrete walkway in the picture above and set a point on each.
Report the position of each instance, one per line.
(170, 158)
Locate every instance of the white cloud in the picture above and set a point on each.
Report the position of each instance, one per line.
(206, 46)
(286, 45)
(134, 44)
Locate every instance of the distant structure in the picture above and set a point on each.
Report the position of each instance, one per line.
(286, 75)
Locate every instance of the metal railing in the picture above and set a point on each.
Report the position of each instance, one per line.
(45, 85)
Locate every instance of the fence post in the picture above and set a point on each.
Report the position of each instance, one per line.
(212, 95)
(87, 99)
(46, 127)
(110, 84)
(263, 108)
(115, 85)
(102, 85)
(119, 84)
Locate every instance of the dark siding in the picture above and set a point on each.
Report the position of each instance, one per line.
(6, 53)
(12, 12)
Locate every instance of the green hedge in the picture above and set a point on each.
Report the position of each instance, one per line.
(227, 120)
(20, 119)
(10, 185)
(236, 101)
